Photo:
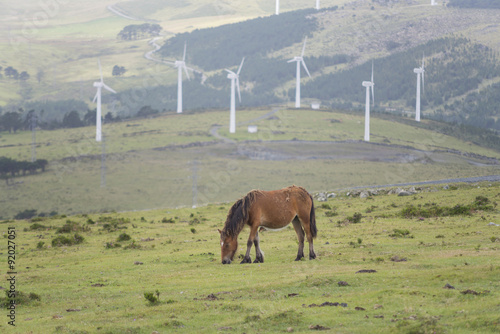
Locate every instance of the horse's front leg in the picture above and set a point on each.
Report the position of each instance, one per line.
(251, 238)
(259, 257)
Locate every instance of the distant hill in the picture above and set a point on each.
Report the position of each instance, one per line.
(475, 3)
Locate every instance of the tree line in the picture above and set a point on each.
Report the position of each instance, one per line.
(139, 31)
(14, 167)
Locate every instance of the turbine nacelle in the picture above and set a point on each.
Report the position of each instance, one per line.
(368, 84)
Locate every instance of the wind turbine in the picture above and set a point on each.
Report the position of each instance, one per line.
(433, 2)
(368, 84)
(299, 60)
(99, 85)
(277, 7)
(180, 64)
(317, 4)
(235, 83)
(420, 71)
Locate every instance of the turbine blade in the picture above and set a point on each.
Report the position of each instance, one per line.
(305, 67)
(304, 47)
(238, 88)
(423, 81)
(184, 56)
(100, 70)
(229, 71)
(372, 72)
(95, 97)
(291, 60)
(373, 95)
(186, 71)
(108, 88)
(241, 65)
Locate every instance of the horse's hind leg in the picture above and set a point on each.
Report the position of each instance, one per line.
(300, 235)
(259, 257)
(304, 220)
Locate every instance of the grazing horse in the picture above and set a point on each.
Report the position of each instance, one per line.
(270, 210)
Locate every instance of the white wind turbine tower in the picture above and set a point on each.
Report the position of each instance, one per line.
(368, 84)
(420, 71)
(317, 4)
(299, 60)
(180, 64)
(277, 7)
(99, 85)
(235, 83)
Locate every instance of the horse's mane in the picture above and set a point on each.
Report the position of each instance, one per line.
(238, 215)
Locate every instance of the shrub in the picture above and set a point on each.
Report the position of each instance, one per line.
(67, 241)
(355, 218)
(26, 214)
(40, 244)
(37, 227)
(152, 297)
(71, 227)
(20, 298)
(110, 245)
(401, 234)
(169, 220)
(330, 213)
(123, 237)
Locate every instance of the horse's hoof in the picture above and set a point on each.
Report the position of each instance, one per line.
(246, 260)
(312, 257)
(259, 260)
(299, 258)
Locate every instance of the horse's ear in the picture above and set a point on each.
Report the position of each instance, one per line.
(220, 232)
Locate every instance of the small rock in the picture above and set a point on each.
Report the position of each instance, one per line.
(377, 306)
(57, 316)
(331, 195)
(358, 308)
(493, 224)
(470, 292)
(379, 316)
(343, 283)
(289, 329)
(404, 193)
(448, 286)
(73, 310)
(292, 294)
(138, 263)
(364, 194)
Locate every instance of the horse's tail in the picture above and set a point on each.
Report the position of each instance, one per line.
(312, 219)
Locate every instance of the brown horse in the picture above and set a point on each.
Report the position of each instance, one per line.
(271, 210)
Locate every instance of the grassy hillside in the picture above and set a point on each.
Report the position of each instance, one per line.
(149, 162)
(64, 48)
(99, 285)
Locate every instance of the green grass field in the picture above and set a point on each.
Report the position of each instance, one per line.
(149, 162)
(96, 286)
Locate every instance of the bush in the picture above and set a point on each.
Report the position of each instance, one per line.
(152, 298)
(67, 241)
(26, 214)
(20, 298)
(123, 237)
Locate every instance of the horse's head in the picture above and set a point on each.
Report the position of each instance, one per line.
(228, 247)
